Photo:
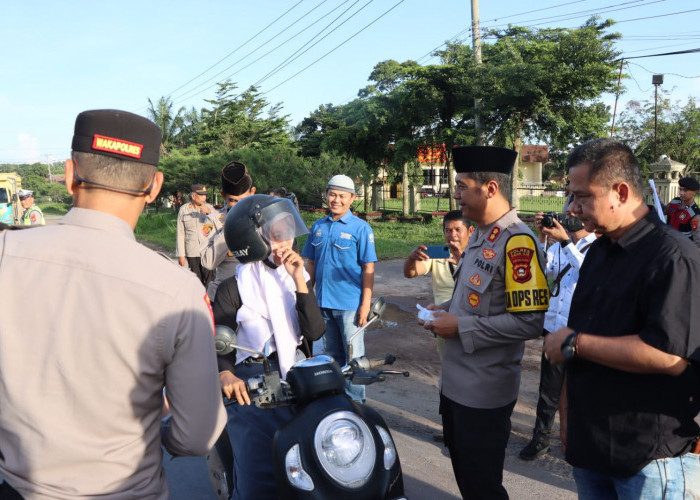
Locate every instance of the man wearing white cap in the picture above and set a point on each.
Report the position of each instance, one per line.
(32, 214)
(341, 257)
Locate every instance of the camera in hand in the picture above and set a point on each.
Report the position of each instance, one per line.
(570, 223)
(548, 218)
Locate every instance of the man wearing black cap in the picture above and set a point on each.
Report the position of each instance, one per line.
(499, 301)
(195, 225)
(236, 184)
(83, 380)
(682, 212)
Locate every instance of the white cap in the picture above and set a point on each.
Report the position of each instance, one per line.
(25, 193)
(341, 183)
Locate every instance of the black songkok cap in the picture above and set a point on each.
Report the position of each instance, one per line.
(483, 159)
(235, 179)
(689, 183)
(118, 134)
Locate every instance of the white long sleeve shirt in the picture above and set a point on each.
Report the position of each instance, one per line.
(558, 258)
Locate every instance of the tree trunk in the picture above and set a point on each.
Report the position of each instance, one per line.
(450, 179)
(366, 188)
(515, 178)
(404, 188)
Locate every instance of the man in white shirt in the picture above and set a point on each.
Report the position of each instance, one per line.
(564, 259)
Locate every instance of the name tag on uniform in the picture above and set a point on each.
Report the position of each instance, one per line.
(346, 236)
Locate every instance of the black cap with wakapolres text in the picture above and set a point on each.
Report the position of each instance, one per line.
(119, 134)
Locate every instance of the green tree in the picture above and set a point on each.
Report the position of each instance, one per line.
(677, 131)
(171, 123)
(237, 120)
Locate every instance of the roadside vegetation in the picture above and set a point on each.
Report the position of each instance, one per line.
(393, 239)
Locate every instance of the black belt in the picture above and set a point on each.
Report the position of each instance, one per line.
(271, 357)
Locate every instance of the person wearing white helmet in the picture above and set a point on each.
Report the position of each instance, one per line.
(32, 214)
(341, 256)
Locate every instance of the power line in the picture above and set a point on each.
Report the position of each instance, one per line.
(296, 54)
(337, 46)
(237, 48)
(678, 52)
(188, 94)
(674, 74)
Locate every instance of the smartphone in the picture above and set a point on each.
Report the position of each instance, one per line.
(438, 252)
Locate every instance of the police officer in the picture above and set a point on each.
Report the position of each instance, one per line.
(195, 225)
(499, 300)
(236, 184)
(83, 379)
(32, 214)
(682, 212)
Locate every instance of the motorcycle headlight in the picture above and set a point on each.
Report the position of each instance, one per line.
(345, 448)
(296, 474)
(389, 448)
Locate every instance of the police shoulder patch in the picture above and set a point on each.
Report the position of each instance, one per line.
(526, 284)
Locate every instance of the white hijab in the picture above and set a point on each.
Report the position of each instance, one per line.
(268, 312)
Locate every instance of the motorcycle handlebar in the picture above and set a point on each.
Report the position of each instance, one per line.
(386, 360)
(365, 363)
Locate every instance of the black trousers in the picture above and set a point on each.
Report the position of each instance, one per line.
(551, 381)
(204, 274)
(477, 440)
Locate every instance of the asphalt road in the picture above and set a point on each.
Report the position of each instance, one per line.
(409, 405)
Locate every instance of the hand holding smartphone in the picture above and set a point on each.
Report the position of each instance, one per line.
(438, 251)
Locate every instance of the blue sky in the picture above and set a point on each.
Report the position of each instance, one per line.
(60, 58)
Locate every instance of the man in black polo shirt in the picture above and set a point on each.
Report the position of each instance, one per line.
(632, 341)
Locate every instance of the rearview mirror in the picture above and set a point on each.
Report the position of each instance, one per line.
(224, 340)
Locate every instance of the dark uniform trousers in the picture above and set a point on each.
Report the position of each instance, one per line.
(551, 382)
(477, 440)
(205, 275)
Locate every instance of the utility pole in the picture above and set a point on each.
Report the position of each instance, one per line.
(476, 46)
(656, 80)
(48, 165)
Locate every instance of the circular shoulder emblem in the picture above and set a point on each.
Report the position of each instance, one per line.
(474, 299)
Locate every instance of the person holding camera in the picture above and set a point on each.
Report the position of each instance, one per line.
(632, 341)
(564, 259)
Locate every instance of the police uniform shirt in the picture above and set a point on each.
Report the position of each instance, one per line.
(32, 216)
(194, 229)
(216, 255)
(646, 283)
(481, 365)
(83, 376)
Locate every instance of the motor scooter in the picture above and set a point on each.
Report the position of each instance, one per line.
(333, 447)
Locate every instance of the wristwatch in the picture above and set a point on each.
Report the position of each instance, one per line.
(568, 347)
(565, 242)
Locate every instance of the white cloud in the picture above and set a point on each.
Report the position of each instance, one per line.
(27, 149)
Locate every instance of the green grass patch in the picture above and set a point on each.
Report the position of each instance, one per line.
(158, 228)
(392, 239)
(55, 208)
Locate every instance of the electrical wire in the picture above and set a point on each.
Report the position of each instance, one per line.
(336, 47)
(237, 48)
(189, 94)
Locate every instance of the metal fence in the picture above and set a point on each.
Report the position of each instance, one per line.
(531, 198)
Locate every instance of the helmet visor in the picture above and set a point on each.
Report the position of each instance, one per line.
(280, 221)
